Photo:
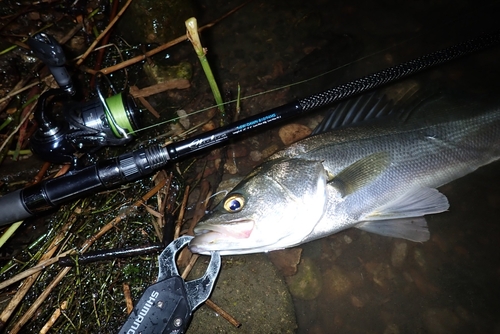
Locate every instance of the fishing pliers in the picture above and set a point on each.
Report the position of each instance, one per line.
(168, 305)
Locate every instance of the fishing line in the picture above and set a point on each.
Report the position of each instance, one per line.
(142, 162)
(470, 14)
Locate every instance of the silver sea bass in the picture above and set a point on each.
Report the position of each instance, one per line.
(380, 178)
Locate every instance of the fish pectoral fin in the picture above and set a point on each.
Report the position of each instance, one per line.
(360, 173)
(415, 203)
(413, 229)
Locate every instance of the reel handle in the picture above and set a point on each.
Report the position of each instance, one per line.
(49, 51)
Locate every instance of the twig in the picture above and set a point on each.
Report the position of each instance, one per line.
(41, 172)
(208, 302)
(178, 223)
(118, 219)
(163, 47)
(105, 31)
(64, 169)
(54, 317)
(39, 267)
(159, 88)
(149, 107)
(26, 116)
(201, 206)
(190, 265)
(41, 298)
(18, 297)
(21, 322)
(16, 90)
(19, 88)
(223, 313)
(105, 40)
(128, 298)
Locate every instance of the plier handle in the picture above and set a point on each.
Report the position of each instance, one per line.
(168, 305)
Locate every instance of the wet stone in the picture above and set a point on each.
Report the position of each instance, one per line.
(307, 283)
(248, 287)
(357, 302)
(159, 73)
(286, 260)
(255, 156)
(418, 255)
(269, 150)
(155, 21)
(382, 274)
(291, 133)
(337, 283)
(399, 251)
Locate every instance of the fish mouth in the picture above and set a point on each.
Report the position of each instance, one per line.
(209, 237)
(238, 229)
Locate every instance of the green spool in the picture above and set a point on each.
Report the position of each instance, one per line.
(117, 109)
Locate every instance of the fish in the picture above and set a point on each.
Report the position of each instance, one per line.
(379, 176)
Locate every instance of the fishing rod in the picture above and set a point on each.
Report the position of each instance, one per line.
(131, 166)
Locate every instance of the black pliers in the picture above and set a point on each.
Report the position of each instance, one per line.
(168, 305)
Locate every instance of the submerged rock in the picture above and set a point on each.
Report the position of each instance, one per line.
(337, 284)
(151, 21)
(159, 73)
(307, 283)
(399, 251)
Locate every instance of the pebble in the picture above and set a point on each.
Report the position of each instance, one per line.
(356, 302)
(255, 155)
(382, 273)
(210, 125)
(418, 255)
(338, 283)
(286, 260)
(399, 251)
(269, 150)
(230, 167)
(291, 133)
(184, 120)
(307, 283)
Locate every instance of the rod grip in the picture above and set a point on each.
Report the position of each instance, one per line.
(14, 209)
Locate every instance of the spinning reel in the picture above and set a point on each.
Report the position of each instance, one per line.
(84, 127)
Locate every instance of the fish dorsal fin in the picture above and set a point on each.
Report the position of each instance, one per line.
(414, 203)
(355, 111)
(414, 229)
(360, 173)
(396, 104)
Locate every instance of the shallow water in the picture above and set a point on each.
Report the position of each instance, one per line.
(369, 283)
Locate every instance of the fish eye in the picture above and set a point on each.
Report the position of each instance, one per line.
(234, 203)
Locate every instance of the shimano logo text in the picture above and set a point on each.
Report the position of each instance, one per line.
(143, 312)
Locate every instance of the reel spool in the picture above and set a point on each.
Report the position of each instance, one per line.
(86, 127)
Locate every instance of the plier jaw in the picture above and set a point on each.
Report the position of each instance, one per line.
(168, 305)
